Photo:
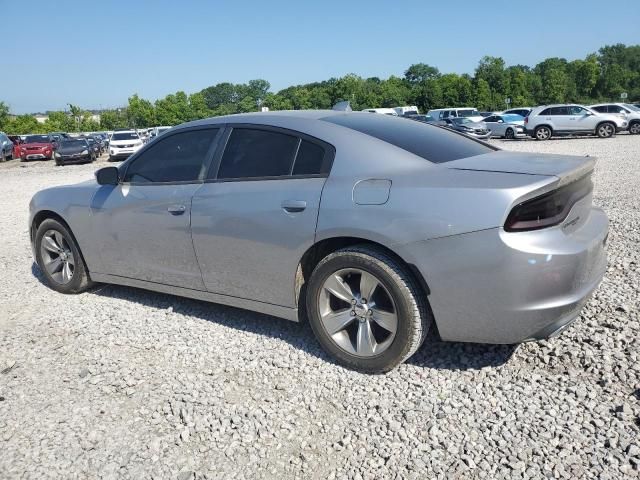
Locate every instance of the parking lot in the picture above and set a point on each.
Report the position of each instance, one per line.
(123, 383)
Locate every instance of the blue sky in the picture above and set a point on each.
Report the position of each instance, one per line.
(96, 54)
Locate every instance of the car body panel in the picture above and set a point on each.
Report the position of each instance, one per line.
(262, 242)
(158, 241)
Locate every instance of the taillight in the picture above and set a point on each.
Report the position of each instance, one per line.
(548, 209)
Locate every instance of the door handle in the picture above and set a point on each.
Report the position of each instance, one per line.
(294, 206)
(176, 209)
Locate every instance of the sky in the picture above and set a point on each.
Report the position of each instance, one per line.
(97, 54)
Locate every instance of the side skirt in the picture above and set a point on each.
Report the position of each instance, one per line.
(261, 307)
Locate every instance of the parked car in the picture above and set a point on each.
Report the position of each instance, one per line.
(37, 147)
(383, 111)
(557, 120)
(6, 147)
(464, 125)
(421, 118)
(626, 111)
(57, 136)
(17, 141)
(522, 111)
(374, 227)
(123, 143)
(443, 113)
(406, 110)
(74, 150)
(157, 131)
(507, 125)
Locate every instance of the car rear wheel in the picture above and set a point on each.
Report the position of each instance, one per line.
(509, 134)
(543, 133)
(59, 258)
(605, 130)
(366, 309)
(634, 128)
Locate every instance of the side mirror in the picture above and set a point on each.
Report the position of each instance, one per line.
(107, 176)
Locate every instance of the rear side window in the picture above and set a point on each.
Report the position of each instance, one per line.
(257, 153)
(559, 111)
(176, 158)
(310, 159)
(438, 145)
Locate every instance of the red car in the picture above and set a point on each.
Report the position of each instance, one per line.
(37, 147)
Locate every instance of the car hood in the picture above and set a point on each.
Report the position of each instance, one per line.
(474, 125)
(39, 145)
(71, 150)
(566, 167)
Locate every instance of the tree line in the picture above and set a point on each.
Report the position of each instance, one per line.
(600, 76)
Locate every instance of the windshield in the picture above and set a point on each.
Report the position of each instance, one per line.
(469, 113)
(73, 143)
(461, 121)
(90, 140)
(125, 136)
(632, 107)
(512, 117)
(432, 143)
(37, 139)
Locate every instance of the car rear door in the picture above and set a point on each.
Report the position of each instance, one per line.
(144, 223)
(256, 215)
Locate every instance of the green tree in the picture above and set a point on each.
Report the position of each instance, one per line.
(555, 81)
(4, 116)
(23, 124)
(420, 72)
(140, 113)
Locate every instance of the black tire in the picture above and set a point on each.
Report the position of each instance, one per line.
(80, 280)
(414, 316)
(543, 132)
(634, 128)
(509, 134)
(605, 130)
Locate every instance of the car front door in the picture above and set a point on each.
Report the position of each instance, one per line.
(143, 223)
(582, 120)
(256, 215)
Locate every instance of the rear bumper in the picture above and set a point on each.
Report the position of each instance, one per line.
(498, 287)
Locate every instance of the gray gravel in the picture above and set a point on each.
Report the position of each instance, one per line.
(123, 383)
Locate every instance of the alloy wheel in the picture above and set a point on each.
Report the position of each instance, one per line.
(635, 128)
(57, 257)
(605, 130)
(358, 312)
(509, 133)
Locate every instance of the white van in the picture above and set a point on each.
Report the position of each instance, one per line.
(407, 110)
(469, 112)
(384, 111)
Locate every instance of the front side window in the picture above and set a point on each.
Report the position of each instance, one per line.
(252, 153)
(575, 110)
(601, 109)
(176, 158)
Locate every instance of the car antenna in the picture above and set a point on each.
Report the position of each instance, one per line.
(343, 106)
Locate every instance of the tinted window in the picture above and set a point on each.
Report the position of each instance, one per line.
(492, 119)
(258, 153)
(432, 143)
(575, 110)
(602, 109)
(558, 111)
(616, 109)
(310, 159)
(176, 158)
(546, 111)
(37, 139)
(125, 136)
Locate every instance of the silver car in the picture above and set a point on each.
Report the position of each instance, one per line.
(507, 125)
(374, 228)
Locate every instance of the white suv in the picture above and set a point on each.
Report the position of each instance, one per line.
(549, 120)
(124, 143)
(626, 111)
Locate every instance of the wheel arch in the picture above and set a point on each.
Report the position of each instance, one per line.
(324, 247)
(43, 215)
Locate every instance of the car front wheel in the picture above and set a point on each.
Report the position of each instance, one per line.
(605, 130)
(59, 258)
(509, 134)
(634, 128)
(366, 309)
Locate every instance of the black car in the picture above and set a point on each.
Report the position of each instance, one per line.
(74, 150)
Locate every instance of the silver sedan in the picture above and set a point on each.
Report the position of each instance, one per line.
(374, 228)
(505, 126)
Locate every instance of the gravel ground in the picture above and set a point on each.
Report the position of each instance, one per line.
(123, 383)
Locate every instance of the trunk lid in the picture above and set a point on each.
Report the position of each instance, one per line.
(565, 167)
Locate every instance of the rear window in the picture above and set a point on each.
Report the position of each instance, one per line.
(438, 145)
